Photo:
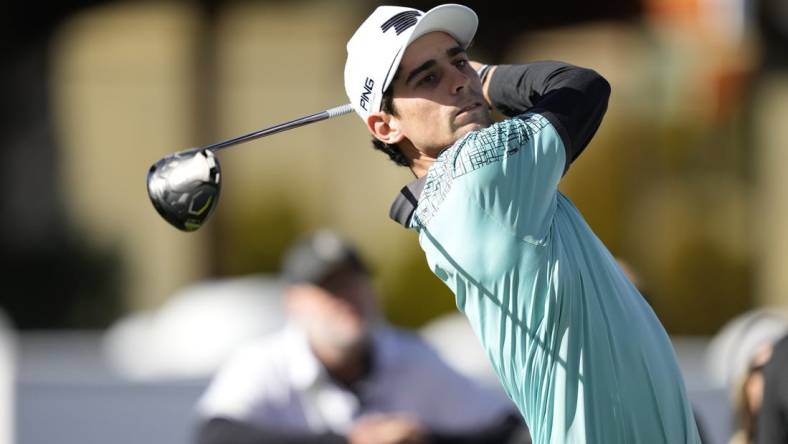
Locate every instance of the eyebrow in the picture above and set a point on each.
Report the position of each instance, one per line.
(451, 52)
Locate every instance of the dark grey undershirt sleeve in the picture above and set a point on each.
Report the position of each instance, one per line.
(227, 431)
(573, 99)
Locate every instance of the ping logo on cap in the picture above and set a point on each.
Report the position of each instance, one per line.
(401, 21)
(368, 84)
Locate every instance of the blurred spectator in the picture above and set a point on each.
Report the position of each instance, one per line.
(772, 424)
(733, 348)
(737, 355)
(337, 374)
(7, 366)
(748, 397)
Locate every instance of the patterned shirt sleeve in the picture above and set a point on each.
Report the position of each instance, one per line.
(511, 170)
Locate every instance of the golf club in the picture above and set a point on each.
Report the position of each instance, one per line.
(184, 186)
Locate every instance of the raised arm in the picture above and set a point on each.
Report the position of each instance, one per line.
(573, 99)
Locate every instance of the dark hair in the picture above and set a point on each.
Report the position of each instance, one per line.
(318, 256)
(392, 150)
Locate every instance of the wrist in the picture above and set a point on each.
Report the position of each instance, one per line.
(485, 76)
(483, 71)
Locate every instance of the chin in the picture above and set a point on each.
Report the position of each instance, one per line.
(467, 128)
(478, 122)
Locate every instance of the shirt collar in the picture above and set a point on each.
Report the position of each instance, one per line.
(406, 201)
(305, 369)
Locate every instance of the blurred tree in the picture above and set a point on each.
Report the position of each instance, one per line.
(412, 294)
(260, 234)
(50, 278)
(63, 284)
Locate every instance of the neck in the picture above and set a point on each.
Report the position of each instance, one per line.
(420, 162)
(421, 165)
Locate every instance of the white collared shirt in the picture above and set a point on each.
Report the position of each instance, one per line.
(278, 382)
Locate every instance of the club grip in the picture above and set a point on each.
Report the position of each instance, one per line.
(339, 110)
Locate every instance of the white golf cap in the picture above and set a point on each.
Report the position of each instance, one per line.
(375, 50)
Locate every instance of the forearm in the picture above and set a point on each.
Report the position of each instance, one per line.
(573, 99)
(226, 431)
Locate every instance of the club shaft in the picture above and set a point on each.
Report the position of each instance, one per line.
(301, 121)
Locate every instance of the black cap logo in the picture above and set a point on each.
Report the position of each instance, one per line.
(401, 21)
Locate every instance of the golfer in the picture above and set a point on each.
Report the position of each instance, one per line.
(575, 345)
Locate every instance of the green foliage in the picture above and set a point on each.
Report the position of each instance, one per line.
(63, 284)
(254, 240)
(706, 287)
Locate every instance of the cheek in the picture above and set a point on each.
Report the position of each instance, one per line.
(420, 117)
(310, 306)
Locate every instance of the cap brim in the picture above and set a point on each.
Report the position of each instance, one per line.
(458, 21)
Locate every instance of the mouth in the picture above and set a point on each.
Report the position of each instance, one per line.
(471, 107)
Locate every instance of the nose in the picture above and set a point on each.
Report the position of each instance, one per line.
(460, 80)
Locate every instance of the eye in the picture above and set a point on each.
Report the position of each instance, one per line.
(428, 79)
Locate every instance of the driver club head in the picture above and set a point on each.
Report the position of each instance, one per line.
(184, 187)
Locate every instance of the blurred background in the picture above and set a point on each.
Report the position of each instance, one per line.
(113, 320)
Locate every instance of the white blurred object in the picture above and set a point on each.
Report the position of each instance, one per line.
(7, 379)
(452, 336)
(196, 330)
(731, 350)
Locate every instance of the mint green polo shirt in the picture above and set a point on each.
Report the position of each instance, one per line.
(575, 345)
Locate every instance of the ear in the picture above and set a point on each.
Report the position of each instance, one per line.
(385, 127)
